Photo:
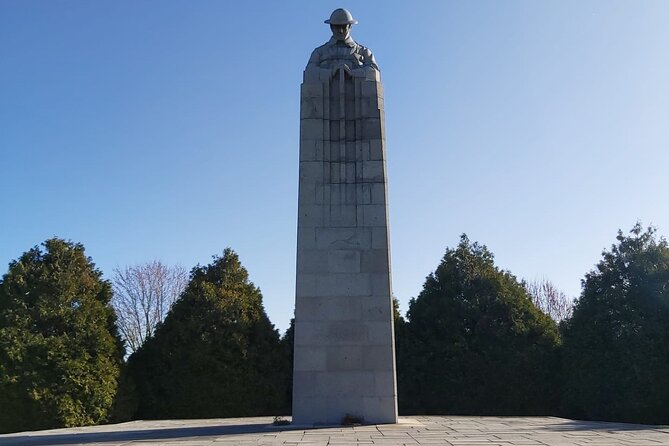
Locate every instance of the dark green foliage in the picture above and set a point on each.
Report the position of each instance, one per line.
(616, 345)
(60, 352)
(475, 344)
(215, 355)
(288, 350)
(399, 325)
(397, 317)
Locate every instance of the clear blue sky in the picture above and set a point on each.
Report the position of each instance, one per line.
(169, 130)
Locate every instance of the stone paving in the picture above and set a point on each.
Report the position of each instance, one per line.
(419, 430)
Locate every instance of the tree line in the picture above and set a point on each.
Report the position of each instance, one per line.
(155, 342)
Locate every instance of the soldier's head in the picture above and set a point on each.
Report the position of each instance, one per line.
(340, 22)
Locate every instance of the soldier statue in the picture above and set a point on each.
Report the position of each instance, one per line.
(341, 52)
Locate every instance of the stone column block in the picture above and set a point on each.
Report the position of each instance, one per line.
(373, 215)
(311, 359)
(328, 308)
(373, 171)
(311, 129)
(344, 261)
(376, 151)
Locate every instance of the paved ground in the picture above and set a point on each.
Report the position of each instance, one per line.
(456, 431)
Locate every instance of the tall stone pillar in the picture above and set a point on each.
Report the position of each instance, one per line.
(344, 343)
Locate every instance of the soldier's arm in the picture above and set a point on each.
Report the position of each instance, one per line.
(368, 59)
(313, 72)
(314, 60)
(369, 69)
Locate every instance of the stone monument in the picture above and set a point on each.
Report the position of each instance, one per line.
(344, 343)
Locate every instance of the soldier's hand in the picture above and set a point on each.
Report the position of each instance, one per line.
(341, 66)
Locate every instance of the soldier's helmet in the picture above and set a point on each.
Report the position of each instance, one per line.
(341, 16)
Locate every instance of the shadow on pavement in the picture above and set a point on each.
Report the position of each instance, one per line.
(582, 425)
(121, 436)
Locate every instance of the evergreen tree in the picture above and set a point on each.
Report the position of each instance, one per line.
(405, 400)
(616, 345)
(475, 344)
(288, 350)
(215, 355)
(60, 352)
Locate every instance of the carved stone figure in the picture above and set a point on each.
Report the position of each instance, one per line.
(341, 52)
(344, 347)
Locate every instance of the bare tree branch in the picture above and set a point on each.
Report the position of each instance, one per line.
(549, 299)
(143, 294)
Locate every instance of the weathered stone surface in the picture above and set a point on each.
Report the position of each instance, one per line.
(373, 214)
(379, 238)
(311, 128)
(376, 150)
(314, 360)
(374, 261)
(344, 308)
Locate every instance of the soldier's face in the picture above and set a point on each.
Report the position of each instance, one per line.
(340, 32)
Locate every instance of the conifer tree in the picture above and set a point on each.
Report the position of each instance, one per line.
(215, 355)
(616, 345)
(60, 352)
(475, 344)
